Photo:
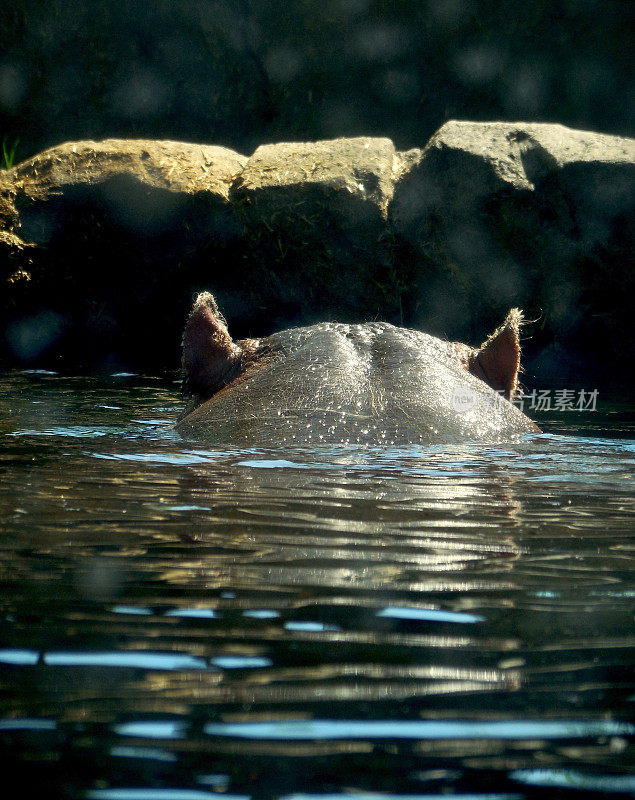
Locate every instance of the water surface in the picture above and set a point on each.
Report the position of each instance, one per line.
(183, 622)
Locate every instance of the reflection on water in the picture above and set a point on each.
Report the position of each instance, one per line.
(178, 622)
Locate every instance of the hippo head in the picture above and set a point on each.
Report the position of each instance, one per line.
(212, 359)
(348, 383)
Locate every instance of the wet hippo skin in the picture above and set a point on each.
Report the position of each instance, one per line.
(335, 383)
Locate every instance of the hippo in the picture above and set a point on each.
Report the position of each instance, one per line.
(335, 383)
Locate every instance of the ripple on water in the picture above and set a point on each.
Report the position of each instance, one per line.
(307, 623)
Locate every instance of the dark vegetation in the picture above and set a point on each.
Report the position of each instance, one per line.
(244, 72)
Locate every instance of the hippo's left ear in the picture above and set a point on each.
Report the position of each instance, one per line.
(497, 360)
(211, 359)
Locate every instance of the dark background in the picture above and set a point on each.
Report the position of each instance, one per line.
(241, 73)
(244, 72)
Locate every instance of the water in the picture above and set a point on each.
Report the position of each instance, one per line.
(181, 623)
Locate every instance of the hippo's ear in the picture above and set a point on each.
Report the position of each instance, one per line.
(497, 361)
(210, 357)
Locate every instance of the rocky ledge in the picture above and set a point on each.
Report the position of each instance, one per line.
(103, 244)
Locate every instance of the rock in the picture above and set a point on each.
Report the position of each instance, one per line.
(317, 214)
(537, 215)
(111, 229)
(350, 176)
(464, 163)
(177, 166)
(141, 185)
(104, 244)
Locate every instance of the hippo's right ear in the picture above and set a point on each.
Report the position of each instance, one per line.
(497, 361)
(211, 359)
